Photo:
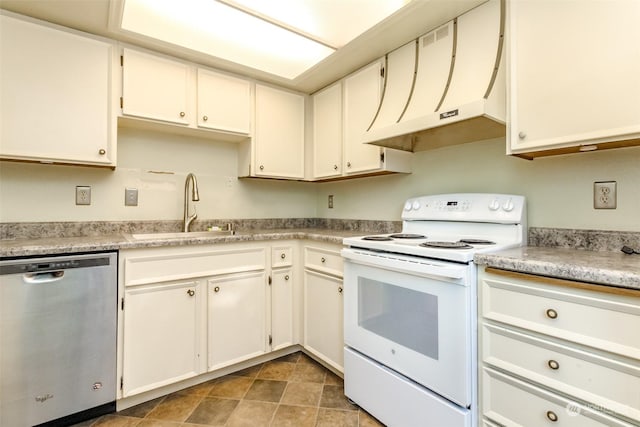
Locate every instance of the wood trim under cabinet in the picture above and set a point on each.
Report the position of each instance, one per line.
(565, 283)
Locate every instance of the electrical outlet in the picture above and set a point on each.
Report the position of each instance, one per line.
(604, 195)
(83, 195)
(131, 197)
(330, 202)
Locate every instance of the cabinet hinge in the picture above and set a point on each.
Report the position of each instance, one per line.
(269, 281)
(121, 383)
(270, 340)
(382, 156)
(122, 303)
(122, 60)
(121, 103)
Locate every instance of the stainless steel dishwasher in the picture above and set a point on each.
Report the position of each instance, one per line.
(57, 339)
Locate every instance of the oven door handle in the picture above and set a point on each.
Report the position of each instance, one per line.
(407, 265)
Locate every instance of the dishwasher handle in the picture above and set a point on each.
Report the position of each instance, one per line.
(46, 277)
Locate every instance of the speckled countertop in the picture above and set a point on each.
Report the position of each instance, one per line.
(61, 245)
(603, 267)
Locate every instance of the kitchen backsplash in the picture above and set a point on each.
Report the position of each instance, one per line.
(34, 230)
(590, 240)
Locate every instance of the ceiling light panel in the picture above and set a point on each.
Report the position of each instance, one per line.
(217, 29)
(333, 22)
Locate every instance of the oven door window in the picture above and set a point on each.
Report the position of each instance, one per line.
(394, 312)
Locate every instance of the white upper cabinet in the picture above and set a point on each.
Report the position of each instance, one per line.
(155, 88)
(327, 132)
(573, 75)
(342, 114)
(56, 95)
(224, 102)
(362, 92)
(160, 90)
(278, 143)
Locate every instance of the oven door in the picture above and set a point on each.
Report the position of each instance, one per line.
(414, 316)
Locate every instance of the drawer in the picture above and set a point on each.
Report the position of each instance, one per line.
(613, 383)
(141, 269)
(600, 320)
(281, 256)
(323, 260)
(511, 402)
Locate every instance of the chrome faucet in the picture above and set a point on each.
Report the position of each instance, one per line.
(194, 196)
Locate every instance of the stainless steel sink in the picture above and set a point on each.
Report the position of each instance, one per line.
(181, 235)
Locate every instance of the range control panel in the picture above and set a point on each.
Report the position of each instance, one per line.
(471, 207)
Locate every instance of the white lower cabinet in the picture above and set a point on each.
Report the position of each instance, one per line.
(236, 318)
(282, 308)
(557, 352)
(323, 304)
(189, 310)
(162, 334)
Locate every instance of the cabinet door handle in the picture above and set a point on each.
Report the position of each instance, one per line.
(522, 135)
(261, 167)
(340, 290)
(348, 164)
(182, 114)
(335, 167)
(551, 416)
(191, 292)
(102, 151)
(551, 313)
(553, 364)
(286, 277)
(323, 260)
(205, 118)
(283, 256)
(216, 289)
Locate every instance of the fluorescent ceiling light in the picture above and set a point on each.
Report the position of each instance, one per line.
(281, 37)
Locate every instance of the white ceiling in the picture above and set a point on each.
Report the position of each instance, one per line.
(414, 19)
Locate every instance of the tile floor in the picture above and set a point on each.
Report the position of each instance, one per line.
(293, 390)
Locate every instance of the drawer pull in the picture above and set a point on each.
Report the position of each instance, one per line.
(283, 256)
(323, 260)
(340, 290)
(553, 365)
(216, 289)
(182, 114)
(552, 314)
(191, 292)
(286, 277)
(551, 416)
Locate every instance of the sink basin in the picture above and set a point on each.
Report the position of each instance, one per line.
(181, 235)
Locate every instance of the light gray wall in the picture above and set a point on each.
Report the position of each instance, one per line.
(559, 189)
(35, 192)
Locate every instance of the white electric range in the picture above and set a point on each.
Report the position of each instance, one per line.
(410, 307)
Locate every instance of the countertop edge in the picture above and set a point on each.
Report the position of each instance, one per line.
(560, 263)
(36, 247)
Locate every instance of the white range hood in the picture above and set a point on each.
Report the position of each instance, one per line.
(446, 87)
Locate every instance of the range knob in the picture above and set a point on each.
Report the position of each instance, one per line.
(407, 206)
(508, 206)
(494, 205)
(415, 205)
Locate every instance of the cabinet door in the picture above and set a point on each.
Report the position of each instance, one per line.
(55, 95)
(279, 133)
(223, 102)
(361, 100)
(281, 309)
(327, 132)
(323, 318)
(155, 88)
(236, 318)
(574, 70)
(162, 342)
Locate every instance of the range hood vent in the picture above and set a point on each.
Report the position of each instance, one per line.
(446, 87)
